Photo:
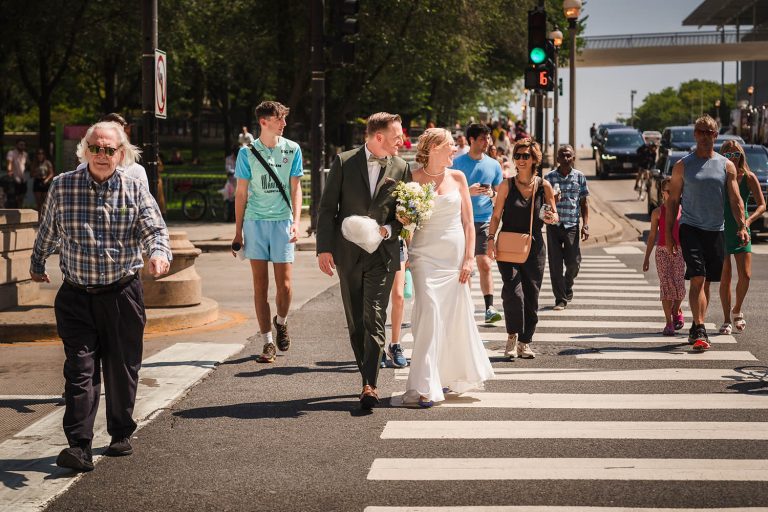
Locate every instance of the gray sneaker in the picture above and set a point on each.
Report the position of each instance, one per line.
(492, 315)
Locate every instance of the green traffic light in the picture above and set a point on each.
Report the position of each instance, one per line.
(538, 55)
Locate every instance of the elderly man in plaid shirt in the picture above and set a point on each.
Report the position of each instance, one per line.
(101, 220)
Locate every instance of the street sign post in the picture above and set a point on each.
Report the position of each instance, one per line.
(161, 85)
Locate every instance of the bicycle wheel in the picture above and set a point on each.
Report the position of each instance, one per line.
(193, 205)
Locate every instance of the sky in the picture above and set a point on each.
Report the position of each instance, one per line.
(602, 94)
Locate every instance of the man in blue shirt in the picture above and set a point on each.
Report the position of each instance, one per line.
(267, 217)
(563, 237)
(483, 176)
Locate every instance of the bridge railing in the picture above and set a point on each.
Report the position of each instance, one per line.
(673, 39)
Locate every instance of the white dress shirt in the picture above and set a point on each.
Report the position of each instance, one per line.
(374, 168)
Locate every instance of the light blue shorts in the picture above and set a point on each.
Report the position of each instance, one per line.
(268, 240)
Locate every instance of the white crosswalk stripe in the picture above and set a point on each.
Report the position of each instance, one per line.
(745, 470)
(595, 375)
(745, 430)
(579, 338)
(672, 401)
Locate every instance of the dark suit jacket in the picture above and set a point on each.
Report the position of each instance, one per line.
(347, 192)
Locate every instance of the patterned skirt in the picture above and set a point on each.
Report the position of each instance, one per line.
(671, 270)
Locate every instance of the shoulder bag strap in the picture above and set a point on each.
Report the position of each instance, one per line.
(533, 202)
(272, 174)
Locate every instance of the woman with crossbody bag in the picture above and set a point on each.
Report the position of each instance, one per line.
(523, 204)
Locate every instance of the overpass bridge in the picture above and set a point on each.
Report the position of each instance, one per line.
(673, 48)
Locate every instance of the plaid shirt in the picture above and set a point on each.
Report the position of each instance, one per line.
(101, 228)
(572, 188)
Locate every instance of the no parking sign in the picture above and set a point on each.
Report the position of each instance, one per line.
(161, 85)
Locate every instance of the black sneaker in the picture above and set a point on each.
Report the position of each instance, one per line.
(692, 333)
(78, 458)
(701, 343)
(283, 340)
(119, 447)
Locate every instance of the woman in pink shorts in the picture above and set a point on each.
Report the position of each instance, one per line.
(670, 267)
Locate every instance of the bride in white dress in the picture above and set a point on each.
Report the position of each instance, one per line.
(448, 353)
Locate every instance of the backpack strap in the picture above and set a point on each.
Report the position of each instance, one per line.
(272, 174)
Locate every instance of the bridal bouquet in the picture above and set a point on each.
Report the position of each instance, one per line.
(414, 205)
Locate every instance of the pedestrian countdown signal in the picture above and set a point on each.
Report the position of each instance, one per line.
(541, 53)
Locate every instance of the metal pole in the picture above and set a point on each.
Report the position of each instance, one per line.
(572, 96)
(317, 134)
(149, 121)
(738, 65)
(555, 119)
(752, 80)
(545, 157)
(632, 108)
(539, 122)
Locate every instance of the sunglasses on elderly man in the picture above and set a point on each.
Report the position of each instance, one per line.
(524, 156)
(95, 150)
(735, 154)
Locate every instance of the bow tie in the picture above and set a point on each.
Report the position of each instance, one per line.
(382, 161)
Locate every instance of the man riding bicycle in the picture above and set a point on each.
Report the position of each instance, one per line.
(646, 161)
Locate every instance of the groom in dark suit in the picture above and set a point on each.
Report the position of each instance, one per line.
(361, 182)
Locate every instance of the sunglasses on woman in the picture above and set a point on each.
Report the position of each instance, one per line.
(95, 150)
(735, 154)
(524, 156)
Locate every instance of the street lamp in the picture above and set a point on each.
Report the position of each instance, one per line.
(557, 39)
(632, 107)
(572, 9)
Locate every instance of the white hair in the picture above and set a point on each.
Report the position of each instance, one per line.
(131, 153)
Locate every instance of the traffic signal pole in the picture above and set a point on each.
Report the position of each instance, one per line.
(317, 133)
(149, 121)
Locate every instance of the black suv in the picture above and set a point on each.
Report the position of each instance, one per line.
(677, 138)
(617, 152)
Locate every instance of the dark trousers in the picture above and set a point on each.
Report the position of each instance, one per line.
(365, 289)
(563, 249)
(520, 293)
(106, 332)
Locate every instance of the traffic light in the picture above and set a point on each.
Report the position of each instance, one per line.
(541, 53)
(346, 28)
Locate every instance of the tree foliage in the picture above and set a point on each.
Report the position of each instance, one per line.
(433, 60)
(683, 105)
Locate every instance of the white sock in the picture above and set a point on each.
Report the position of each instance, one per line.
(267, 337)
(281, 319)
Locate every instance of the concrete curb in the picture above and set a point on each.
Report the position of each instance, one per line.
(38, 323)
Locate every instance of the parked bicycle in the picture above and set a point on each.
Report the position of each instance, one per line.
(196, 203)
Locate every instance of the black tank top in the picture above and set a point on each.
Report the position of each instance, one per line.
(516, 216)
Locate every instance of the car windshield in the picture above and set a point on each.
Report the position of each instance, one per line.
(758, 161)
(683, 135)
(634, 140)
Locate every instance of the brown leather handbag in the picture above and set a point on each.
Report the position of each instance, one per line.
(514, 247)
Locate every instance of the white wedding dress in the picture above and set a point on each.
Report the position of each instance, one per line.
(448, 351)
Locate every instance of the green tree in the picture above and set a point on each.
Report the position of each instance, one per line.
(683, 105)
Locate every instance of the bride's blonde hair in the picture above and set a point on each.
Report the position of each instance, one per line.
(431, 138)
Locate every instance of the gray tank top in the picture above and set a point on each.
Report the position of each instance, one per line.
(703, 192)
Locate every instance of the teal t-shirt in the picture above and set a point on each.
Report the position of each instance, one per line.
(264, 199)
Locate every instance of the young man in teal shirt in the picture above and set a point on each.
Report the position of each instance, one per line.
(267, 219)
(484, 177)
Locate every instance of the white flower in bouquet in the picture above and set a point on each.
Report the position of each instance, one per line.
(414, 205)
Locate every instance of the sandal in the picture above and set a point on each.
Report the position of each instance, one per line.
(738, 322)
(726, 328)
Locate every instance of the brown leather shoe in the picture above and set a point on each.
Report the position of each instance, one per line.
(369, 398)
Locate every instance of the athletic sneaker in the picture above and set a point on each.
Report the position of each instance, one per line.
(383, 362)
(395, 353)
(492, 315)
(268, 353)
(524, 351)
(701, 343)
(692, 334)
(560, 306)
